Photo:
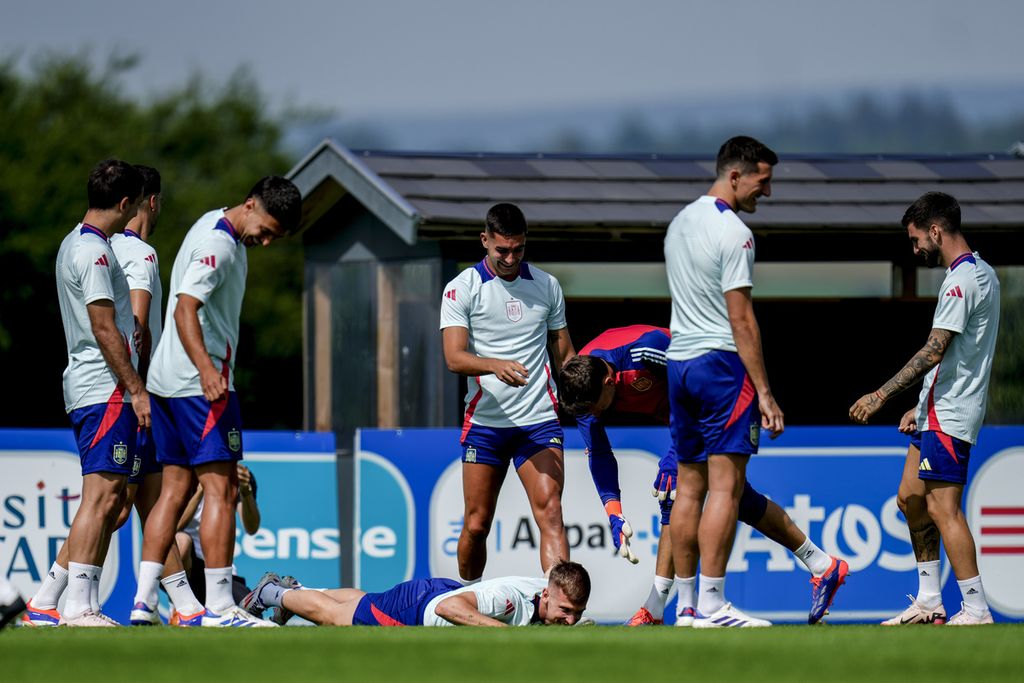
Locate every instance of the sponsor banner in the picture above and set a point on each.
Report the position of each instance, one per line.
(40, 490)
(837, 483)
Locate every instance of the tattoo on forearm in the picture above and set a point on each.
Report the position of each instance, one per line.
(923, 361)
(926, 543)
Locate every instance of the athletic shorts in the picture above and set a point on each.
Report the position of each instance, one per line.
(191, 431)
(943, 457)
(144, 462)
(498, 445)
(105, 434)
(712, 407)
(402, 605)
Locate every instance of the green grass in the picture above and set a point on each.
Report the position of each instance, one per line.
(866, 654)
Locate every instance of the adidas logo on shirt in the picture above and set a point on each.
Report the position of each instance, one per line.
(151, 258)
(973, 591)
(102, 261)
(210, 260)
(450, 294)
(955, 291)
(749, 244)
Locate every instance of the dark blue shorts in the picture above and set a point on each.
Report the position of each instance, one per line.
(191, 431)
(402, 605)
(713, 407)
(943, 457)
(145, 457)
(498, 445)
(105, 434)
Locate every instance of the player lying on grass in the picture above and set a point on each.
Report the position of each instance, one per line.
(510, 601)
(623, 371)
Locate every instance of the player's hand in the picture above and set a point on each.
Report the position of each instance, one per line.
(665, 484)
(215, 385)
(621, 530)
(140, 404)
(244, 479)
(908, 423)
(772, 418)
(511, 372)
(865, 407)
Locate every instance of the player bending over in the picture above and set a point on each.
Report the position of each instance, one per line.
(509, 601)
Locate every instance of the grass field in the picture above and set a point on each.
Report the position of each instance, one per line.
(867, 654)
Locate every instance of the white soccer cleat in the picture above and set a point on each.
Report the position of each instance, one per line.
(918, 614)
(686, 619)
(234, 617)
(89, 619)
(965, 618)
(144, 615)
(728, 617)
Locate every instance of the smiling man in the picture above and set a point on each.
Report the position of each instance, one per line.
(197, 424)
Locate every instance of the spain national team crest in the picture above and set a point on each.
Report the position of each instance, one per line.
(514, 310)
(120, 453)
(235, 440)
(642, 384)
(470, 454)
(136, 465)
(755, 433)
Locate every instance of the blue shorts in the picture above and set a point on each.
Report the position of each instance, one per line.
(943, 457)
(498, 445)
(712, 407)
(145, 457)
(105, 434)
(191, 431)
(402, 605)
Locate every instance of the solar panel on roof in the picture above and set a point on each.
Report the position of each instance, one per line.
(958, 170)
(846, 169)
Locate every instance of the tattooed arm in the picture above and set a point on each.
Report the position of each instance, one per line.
(924, 360)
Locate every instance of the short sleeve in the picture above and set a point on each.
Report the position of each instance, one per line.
(455, 304)
(954, 307)
(737, 260)
(141, 273)
(556, 315)
(205, 272)
(94, 274)
(498, 602)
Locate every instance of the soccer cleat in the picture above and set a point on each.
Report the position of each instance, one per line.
(728, 617)
(251, 603)
(143, 615)
(232, 617)
(280, 615)
(918, 614)
(965, 618)
(686, 618)
(9, 613)
(824, 587)
(643, 618)
(89, 619)
(34, 616)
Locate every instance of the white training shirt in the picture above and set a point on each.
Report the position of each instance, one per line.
(211, 266)
(137, 259)
(509, 321)
(708, 251)
(953, 397)
(508, 599)
(87, 271)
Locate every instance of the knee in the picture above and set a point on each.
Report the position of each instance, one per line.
(477, 525)
(939, 510)
(548, 515)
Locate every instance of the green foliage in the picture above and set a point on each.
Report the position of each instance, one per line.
(209, 142)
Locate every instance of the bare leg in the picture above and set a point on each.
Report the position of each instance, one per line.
(94, 522)
(663, 565)
(480, 486)
(924, 535)
(217, 526)
(944, 507)
(321, 608)
(726, 476)
(162, 523)
(691, 489)
(543, 476)
(778, 526)
(145, 497)
(183, 542)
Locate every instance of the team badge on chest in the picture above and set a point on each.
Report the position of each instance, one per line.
(514, 310)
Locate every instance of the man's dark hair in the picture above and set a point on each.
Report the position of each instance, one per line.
(506, 220)
(281, 199)
(150, 179)
(934, 207)
(572, 579)
(112, 180)
(579, 383)
(745, 152)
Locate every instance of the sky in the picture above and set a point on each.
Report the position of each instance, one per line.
(450, 57)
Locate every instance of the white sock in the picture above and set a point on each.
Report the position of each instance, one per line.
(711, 594)
(814, 558)
(53, 587)
(271, 594)
(94, 590)
(929, 584)
(659, 596)
(974, 596)
(180, 592)
(218, 589)
(685, 590)
(79, 588)
(469, 582)
(8, 596)
(149, 580)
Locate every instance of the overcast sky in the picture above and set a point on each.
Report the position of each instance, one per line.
(447, 56)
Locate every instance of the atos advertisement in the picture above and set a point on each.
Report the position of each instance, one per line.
(838, 484)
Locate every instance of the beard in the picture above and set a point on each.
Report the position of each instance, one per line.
(931, 258)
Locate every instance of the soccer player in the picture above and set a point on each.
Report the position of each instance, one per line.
(499, 321)
(955, 363)
(560, 599)
(716, 371)
(99, 380)
(197, 423)
(623, 371)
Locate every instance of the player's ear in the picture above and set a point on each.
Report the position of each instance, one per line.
(483, 239)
